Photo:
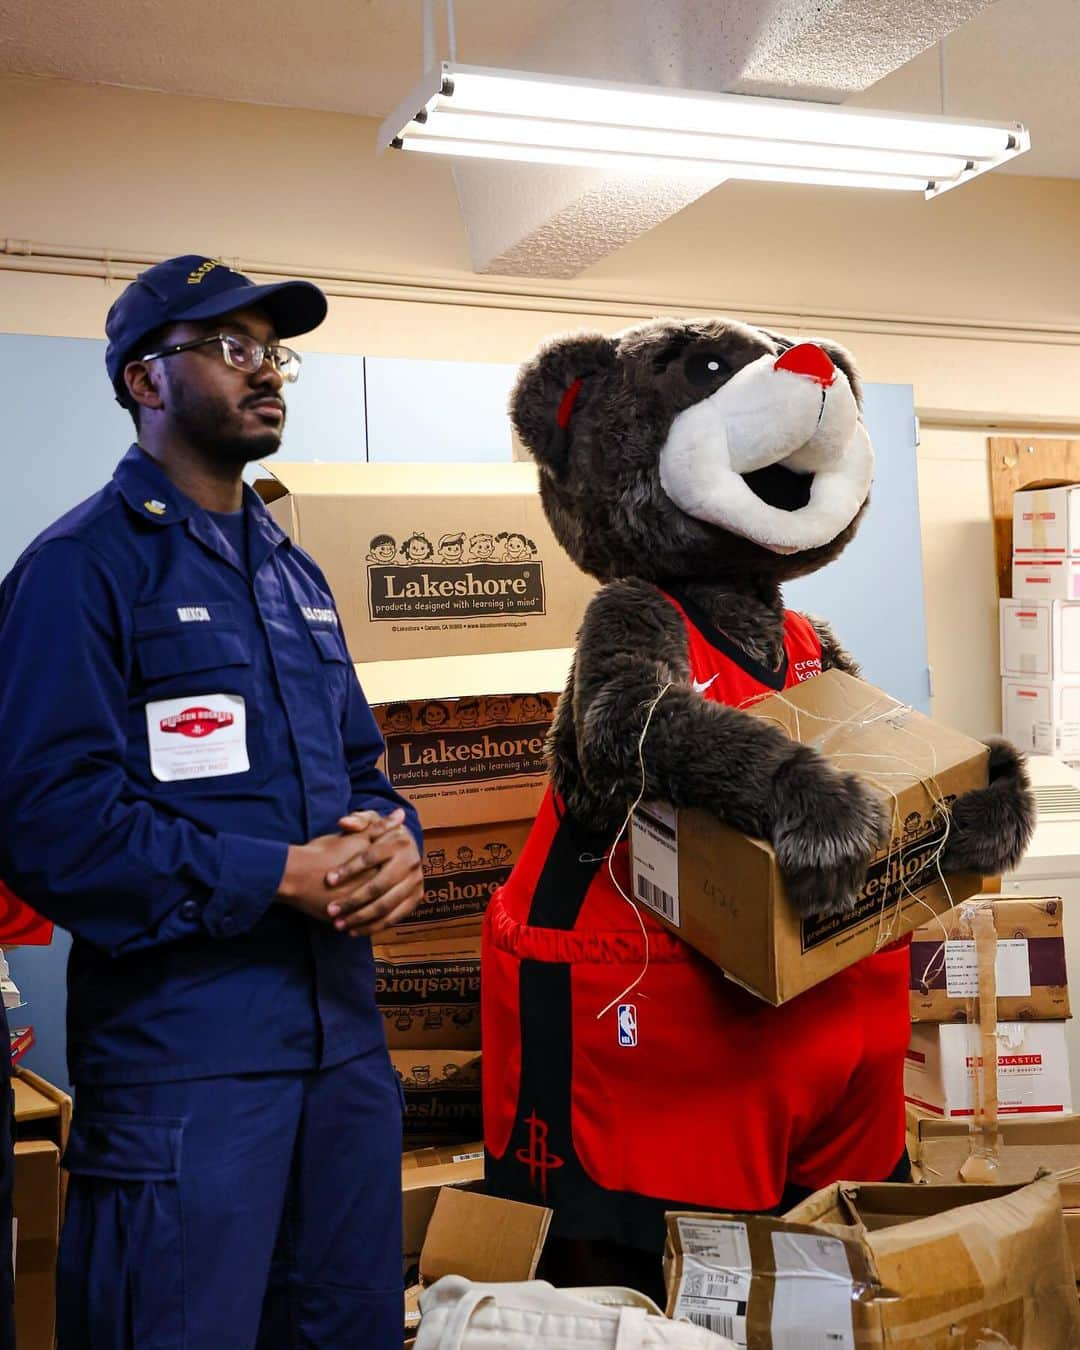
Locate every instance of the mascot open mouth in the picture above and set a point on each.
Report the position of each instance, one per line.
(778, 455)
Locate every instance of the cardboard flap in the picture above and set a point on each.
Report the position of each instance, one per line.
(1042, 484)
(483, 1238)
(351, 478)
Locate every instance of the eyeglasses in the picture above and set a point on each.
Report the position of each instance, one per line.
(242, 353)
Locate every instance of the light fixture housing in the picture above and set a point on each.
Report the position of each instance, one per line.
(479, 112)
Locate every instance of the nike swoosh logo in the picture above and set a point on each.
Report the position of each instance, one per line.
(701, 685)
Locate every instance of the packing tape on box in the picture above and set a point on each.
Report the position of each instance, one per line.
(982, 1163)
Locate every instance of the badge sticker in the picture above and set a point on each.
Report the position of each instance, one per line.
(204, 736)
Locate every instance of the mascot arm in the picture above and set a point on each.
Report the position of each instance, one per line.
(991, 827)
(631, 740)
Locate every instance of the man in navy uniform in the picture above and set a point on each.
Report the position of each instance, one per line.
(190, 788)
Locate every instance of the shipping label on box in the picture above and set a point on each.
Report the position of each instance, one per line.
(463, 868)
(433, 559)
(1046, 519)
(466, 736)
(721, 891)
(429, 992)
(442, 1095)
(767, 1283)
(1032, 983)
(1032, 1069)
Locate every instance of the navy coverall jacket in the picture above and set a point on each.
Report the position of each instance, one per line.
(172, 716)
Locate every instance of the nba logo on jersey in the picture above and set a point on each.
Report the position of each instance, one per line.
(627, 1024)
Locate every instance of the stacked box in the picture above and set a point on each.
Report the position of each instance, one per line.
(1040, 624)
(1032, 980)
(461, 608)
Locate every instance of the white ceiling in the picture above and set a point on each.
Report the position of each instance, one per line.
(1018, 59)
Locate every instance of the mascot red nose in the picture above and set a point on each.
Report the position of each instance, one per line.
(693, 467)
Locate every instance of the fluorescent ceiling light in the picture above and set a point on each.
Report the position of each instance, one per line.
(474, 112)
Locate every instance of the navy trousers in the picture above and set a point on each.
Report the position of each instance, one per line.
(260, 1212)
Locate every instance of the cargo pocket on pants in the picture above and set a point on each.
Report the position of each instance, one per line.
(121, 1269)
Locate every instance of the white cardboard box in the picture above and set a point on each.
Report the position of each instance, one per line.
(1040, 638)
(1042, 716)
(1047, 520)
(1033, 1069)
(1046, 576)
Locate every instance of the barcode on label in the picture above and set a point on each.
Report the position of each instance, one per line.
(724, 1324)
(651, 895)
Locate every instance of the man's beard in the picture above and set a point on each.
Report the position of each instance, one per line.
(216, 428)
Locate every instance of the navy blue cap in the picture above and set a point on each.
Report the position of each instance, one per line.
(195, 287)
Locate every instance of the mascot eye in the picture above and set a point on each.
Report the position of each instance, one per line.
(706, 368)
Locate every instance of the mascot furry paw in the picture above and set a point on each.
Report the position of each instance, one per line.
(693, 467)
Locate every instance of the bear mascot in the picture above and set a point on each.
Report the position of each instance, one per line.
(692, 467)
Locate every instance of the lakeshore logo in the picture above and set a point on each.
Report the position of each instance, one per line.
(510, 750)
(888, 879)
(454, 576)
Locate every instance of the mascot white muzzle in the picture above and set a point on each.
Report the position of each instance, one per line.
(797, 412)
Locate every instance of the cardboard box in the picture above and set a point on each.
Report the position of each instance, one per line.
(1042, 716)
(481, 1238)
(1040, 638)
(1032, 981)
(721, 891)
(429, 991)
(1032, 1066)
(761, 1281)
(958, 1266)
(1027, 1148)
(1046, 519)
(37, 1214)
(432, 559)
(1046, 578)
(463, 868)
(465, 736)
(424, 1172)
(442, 1095)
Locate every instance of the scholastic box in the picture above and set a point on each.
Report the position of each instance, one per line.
(1042, 716)
(1046, 520)
(463, 868)
(465, 736)
(722, 892)
(1032, 1069)
(1040, 639)
(442, 1095)
(1046, 578)
(432, 559)
(1032, 984)
(429, 991)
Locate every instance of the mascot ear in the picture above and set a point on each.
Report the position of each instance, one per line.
(839, 356)
(551, 393)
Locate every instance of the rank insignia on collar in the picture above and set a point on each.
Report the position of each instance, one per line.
(156, 507)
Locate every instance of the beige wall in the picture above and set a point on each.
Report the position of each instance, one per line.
(973, 298)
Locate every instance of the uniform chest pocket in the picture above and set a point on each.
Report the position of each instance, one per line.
(180, 651)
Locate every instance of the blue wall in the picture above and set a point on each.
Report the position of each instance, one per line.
(61, 434)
